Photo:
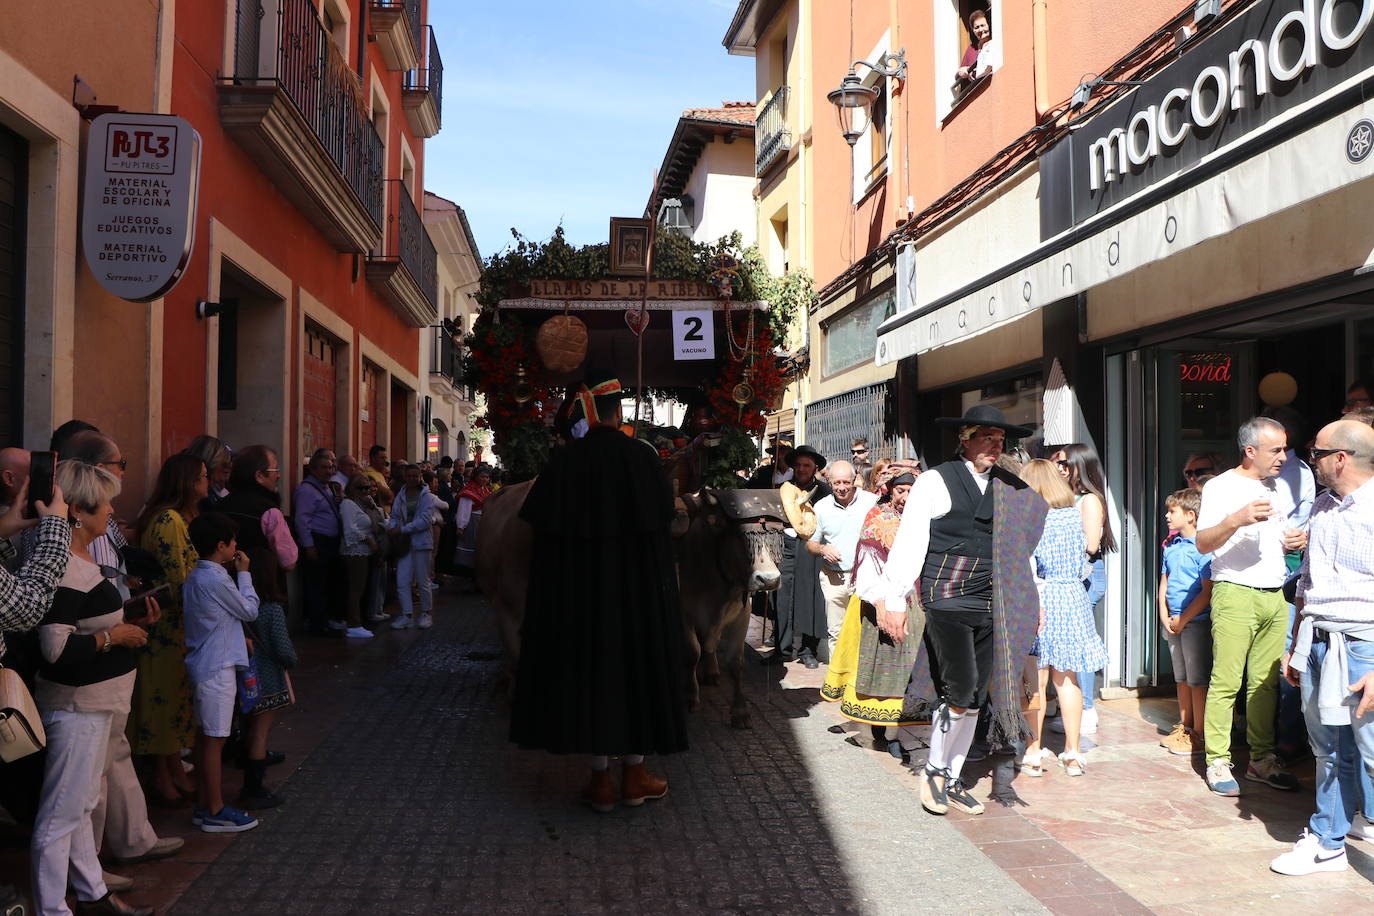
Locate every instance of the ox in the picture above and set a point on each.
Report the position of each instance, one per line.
(727, 542)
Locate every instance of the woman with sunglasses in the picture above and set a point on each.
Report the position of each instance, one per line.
(1079, 465)
(361, 541)
(1200, 465)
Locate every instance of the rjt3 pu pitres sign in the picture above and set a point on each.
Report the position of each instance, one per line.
(139, 202)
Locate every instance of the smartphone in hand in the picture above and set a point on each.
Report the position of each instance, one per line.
(42, 471)
(136, 608)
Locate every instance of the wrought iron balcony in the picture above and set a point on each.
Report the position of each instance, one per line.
(446, 359)
(298, 109)
(406, 273)
(772, 136)
(424, 90)
(396, 24)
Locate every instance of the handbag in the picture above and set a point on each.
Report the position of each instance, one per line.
(398, 542)
(249, 691)
(21, 729)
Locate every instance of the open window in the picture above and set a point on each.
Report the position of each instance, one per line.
(968, 50)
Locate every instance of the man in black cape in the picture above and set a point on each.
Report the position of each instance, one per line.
(602, 663)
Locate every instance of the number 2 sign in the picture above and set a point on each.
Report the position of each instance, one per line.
(694, 335)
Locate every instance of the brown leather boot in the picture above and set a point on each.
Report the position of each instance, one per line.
(638, 784)
(600, 792)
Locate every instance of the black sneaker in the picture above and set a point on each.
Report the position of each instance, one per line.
(256, 801)
(961, 799)
(933, 796)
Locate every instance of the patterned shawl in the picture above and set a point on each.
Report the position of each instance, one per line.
(477, 494)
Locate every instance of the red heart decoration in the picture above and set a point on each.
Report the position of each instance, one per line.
(637, 320)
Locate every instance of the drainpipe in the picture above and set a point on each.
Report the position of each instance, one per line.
(1039, 29)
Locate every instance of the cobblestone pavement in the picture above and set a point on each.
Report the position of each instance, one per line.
(416, 803)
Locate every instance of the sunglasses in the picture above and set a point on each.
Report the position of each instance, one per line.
(1319, 453)
(1198, 472)
(122, 464)
(858, 451)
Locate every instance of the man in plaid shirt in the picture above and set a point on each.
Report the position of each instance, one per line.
(1333, 645)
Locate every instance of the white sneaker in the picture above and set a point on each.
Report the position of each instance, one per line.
(1307, 857)
(1089, 724)
(337, 625)
(1362, 828)
(358, 633)
(425, 622)
(376, 618)
(402, 622)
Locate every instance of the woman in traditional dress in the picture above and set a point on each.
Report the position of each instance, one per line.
(469, 518)
(869, 673)
(160, 722)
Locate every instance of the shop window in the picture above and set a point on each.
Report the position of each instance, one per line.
(1021, 400)
(849, 339)
(963, 60)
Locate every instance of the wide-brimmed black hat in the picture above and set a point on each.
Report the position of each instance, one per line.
(791, 457)
(986, 415)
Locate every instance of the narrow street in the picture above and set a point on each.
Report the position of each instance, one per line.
(408, 799)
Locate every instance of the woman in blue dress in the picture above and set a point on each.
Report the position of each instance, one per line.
(1068, 640)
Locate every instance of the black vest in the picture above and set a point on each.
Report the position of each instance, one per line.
(966, 529)
(246, 506)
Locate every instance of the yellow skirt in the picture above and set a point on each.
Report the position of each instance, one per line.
(839, 680)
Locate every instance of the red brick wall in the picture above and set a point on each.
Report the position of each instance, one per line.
(321, 390)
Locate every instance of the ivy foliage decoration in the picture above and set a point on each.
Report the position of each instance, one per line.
(495, 351)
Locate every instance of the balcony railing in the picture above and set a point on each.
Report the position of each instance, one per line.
(288, 53)
(424, 91)
(396, 24)
(406, 274)
(447, 357)
(773, 137)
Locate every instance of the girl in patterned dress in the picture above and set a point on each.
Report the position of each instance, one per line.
(1068, 640)
(160, 721)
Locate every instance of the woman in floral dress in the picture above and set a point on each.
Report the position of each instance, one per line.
(1068, 640)
(161, 723)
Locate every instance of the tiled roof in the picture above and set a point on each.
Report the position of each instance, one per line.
(728, 113)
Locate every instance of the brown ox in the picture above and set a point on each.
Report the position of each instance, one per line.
(727, 546)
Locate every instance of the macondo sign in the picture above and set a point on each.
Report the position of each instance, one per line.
(621, 289)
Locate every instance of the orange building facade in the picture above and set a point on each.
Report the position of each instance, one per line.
(1136, 226)
(298, 320)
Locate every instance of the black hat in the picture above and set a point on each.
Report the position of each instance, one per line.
(986, 415)
(791, 457)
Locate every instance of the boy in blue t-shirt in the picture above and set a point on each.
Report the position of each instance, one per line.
(1185, 594)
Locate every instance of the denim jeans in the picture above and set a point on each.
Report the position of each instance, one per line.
(1292, 729)
(1340, 772)
(1096, 584)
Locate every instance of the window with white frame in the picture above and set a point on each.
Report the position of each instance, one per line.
(871, 150)
(968, 49)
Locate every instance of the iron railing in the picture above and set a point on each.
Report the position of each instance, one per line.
(411, 8)
(409, 243)
(832, 424)
(313, 73)
(430, 75)
(447, 358)
(773, 137)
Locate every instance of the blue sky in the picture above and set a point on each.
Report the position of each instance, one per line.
(561, 111)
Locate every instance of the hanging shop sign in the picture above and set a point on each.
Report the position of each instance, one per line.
(611, 288)
(694, 335)
(138, 208)
(1269, 60)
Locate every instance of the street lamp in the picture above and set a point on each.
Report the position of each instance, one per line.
(854, 94)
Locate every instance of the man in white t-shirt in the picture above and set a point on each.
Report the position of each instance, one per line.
(839, 521)
(1244, 525)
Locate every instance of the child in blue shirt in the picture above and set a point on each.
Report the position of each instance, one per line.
(1185, 595)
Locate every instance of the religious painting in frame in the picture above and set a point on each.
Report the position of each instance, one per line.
(629, 246)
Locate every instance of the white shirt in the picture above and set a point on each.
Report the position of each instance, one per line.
(928, 500)
(780, 479)
(840, 526)
(1337, 579)
(1254, 554)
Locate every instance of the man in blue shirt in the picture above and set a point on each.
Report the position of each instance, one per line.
(839, 520)
(315, 515)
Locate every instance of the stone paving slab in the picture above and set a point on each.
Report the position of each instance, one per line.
(416, 803)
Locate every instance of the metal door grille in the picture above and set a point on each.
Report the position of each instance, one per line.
(834, 423)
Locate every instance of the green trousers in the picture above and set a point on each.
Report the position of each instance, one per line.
(1248, 632)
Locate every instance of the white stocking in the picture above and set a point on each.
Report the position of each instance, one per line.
(959, 740)
(940, 739)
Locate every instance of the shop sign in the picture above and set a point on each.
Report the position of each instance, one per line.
(138, 208)
(1212, 368)
(1275, 56)
(694, 334)
(611, 288)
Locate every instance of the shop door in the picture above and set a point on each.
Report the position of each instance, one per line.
(1165, 403)
(14, 155)
(367, 419)
(321, 391)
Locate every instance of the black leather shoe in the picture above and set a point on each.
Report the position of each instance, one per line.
(110, 905)
(811, 662)
(274, 757)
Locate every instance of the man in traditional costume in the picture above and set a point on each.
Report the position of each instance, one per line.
(801, 604)
(970, 528)
(602, 663)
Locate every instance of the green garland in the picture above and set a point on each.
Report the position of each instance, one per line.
(520, 439)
